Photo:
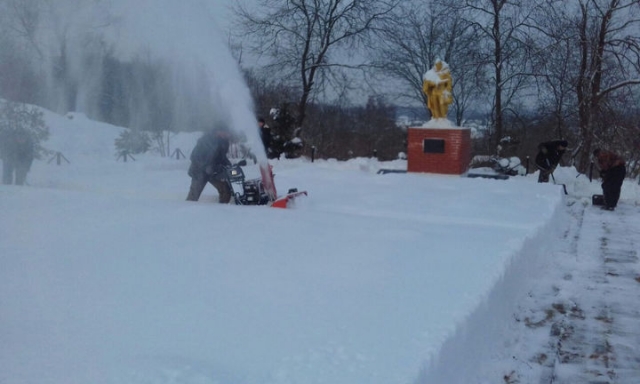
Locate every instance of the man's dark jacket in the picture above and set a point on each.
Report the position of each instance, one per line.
(549, 155)
(17, 148)
(209, 155)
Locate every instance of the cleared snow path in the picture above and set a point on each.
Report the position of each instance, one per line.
(586, 327)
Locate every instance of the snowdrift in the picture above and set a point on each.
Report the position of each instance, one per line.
(108, 275)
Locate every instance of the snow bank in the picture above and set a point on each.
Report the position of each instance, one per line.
(108, 275)
(463, 357)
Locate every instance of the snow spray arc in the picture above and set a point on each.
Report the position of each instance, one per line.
(146, 64)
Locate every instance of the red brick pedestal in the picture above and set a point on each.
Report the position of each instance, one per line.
(439, 150)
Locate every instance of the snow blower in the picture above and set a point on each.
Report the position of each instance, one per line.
(259, 191)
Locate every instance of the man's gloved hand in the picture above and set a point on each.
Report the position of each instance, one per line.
(212, 170)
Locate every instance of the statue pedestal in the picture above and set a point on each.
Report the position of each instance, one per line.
(439, 147)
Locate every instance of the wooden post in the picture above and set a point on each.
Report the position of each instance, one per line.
(124, 155)
(58, 156)
(178, 154)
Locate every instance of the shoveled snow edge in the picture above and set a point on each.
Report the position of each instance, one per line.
(481, 336)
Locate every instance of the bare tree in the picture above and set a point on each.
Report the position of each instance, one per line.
(419, 35)
(19, 79)
(554, 67)
(306, 41)
(609, 61)
(588, 57)
(504, 26)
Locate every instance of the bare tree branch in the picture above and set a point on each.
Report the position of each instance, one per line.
(305, 36)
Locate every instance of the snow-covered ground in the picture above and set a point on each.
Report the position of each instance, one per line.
(108, 276)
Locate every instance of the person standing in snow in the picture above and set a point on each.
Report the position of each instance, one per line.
(613, 171)
(265, 134)
(17, 151)
(548, 158)
(208, 159)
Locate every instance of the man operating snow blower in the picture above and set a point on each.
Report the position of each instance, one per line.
(208, 159)
(209, 164)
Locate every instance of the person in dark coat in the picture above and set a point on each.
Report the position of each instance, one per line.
(548, 157)
(208, 159)
(265, 134)
(17, 151)
(613, 171)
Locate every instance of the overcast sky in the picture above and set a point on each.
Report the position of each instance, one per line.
(222, 12)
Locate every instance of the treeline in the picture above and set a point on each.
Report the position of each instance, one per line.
(534, 70)
(331, 130)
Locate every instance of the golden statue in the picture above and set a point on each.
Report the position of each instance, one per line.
(437, 85)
